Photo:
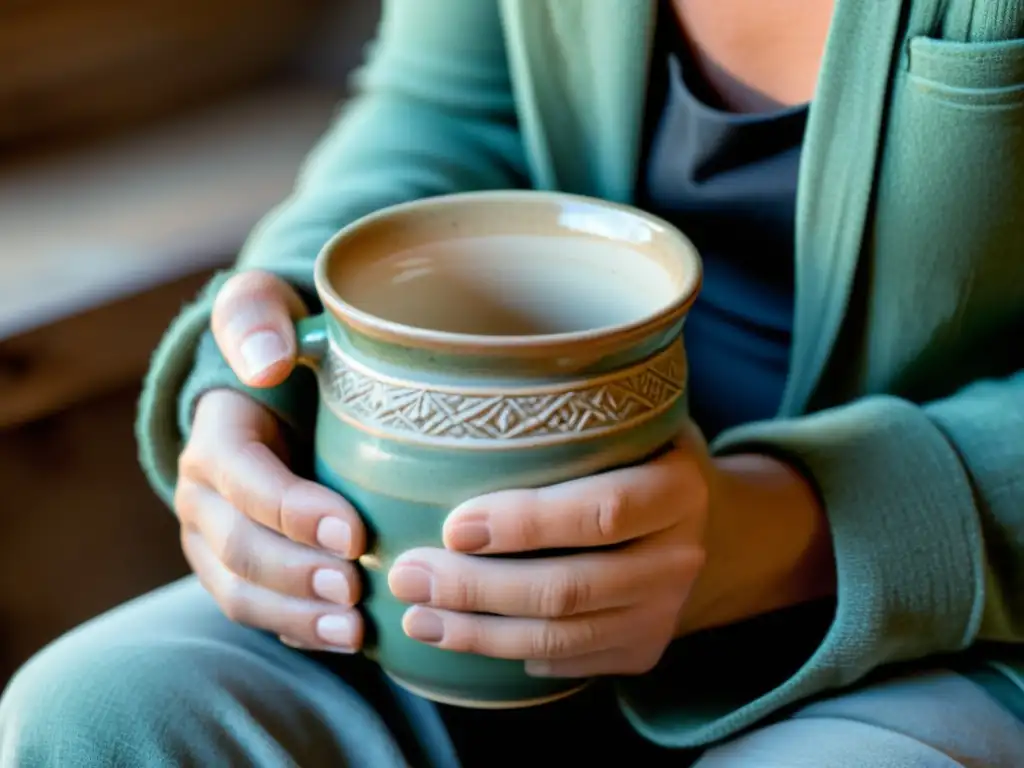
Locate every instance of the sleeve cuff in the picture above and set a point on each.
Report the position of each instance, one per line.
(292, 402)
(908, 550)
(187, 364)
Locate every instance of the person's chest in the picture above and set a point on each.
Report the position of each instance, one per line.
(910, 175)
(756, 55)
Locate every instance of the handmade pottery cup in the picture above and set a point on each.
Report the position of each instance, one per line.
(484, 341)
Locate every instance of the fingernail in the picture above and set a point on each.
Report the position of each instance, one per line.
(411, 584)
(333, 534)
(426, 626)
(261, 350)
(333, 586)
(469, 537)
(338, 631)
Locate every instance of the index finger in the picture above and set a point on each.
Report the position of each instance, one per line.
(257, 483)
(230, 451)
(602, 510)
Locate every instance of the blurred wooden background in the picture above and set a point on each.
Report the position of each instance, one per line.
(90, 66)
(119, 193)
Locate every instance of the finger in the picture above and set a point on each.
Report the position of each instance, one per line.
(596, 511)
(295, 644)
(267, 559)
(252, 323)
(226, 414)
(614, 661)
(313, 623)
(251, 477)
(543, 587)
(292, 643)
(256, 482)
(501, 637)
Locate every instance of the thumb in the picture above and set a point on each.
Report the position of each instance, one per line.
(253, 324)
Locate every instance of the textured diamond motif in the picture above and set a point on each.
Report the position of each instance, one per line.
(614, 400)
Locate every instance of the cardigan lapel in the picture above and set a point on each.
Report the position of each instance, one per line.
(579, 69)
(837, 176)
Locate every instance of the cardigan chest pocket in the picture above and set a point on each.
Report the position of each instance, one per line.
(980, 75)
(944, 255)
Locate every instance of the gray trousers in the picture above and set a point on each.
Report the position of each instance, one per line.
(166, 680)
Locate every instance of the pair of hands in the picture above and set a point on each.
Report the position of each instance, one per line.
(693, 542)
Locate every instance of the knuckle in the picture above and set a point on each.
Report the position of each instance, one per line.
(263, 501)
(231, 594)
(190, 462)
(255, 452)
(552, 641)
(677, 556)
(563, 594)
(462, 593)
(250, 284)
(610, 514)
(222, 475)
(684, 560)
(585, 636)
(235, 553)
(527, 532)
(469, 635)
(185, 501)
(289, 515)
(185, 540)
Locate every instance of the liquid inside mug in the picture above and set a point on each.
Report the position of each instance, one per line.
(479, 342)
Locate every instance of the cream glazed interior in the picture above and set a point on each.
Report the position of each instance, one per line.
(506, 268)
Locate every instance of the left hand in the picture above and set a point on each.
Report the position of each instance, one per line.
(614, 610)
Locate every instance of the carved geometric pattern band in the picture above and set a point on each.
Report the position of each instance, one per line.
(609, 402)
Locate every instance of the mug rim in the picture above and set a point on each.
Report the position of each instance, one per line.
(401, 334)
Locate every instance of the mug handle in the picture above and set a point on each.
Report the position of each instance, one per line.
(311, 339)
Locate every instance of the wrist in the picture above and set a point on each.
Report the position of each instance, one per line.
(768, 543)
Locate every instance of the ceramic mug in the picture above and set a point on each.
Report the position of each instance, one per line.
(484, 341)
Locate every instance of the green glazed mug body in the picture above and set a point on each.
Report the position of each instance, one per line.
(413, 421)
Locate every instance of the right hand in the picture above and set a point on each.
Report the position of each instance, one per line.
(275, 551)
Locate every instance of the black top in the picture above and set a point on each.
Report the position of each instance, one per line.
(728, 181)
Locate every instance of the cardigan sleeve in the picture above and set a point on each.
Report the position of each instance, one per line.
(434, 114)
(926, 509)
